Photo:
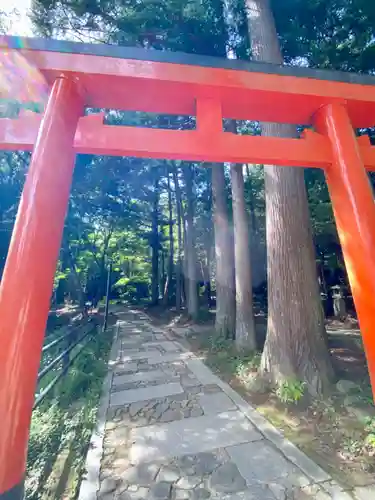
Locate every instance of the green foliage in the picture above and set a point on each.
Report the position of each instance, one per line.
(290, 391)
(221, 354)
(370, 431)
(47, 436)
(361, 443)
(219, 344)
(195, 26)
(13, 167)
(327, 33)
(248, 363)
(66, 418)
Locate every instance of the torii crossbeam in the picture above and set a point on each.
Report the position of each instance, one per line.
(102, 76)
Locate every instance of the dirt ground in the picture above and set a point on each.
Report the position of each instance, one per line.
(338, 433)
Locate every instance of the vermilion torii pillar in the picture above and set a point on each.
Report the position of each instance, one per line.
(354, 209)
(26, 286)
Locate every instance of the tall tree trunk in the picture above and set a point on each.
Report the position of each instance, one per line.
(295, 345)
(225, 281)
(184, 264)
(60, 289)
(102, 281)
(207, 281)
(155, 243)
(163, 280)
(245, 329)
(253, 219)
(208, 240)
(179, 239)
(191, 256)
(168, 284)
(76, 278)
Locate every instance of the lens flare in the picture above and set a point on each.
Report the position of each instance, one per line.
(20, 80)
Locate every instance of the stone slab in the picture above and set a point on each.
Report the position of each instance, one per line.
(254, 492)
(364, 493)
(131, 344)
(193, 435)
(122, 398)
(140, 355)
(159, 336)
(293, 454)
(137, 350)
(202, 373)
(264, 464)
(169, 358)
(214, 403)
(130, 329)
(167, 345)
(226, 479)
(126, 367)
(336, 492)
(90, 480)
(149, 376)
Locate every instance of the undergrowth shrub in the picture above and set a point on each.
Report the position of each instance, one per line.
(290, 391)
(66, 417)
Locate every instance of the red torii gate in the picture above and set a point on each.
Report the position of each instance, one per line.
(100, 76)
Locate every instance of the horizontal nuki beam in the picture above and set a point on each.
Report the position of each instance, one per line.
(206, 144)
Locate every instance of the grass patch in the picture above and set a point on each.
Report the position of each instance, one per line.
(223, 357)
(61, 427)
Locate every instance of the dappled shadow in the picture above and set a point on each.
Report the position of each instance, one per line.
(326, 431)
(138, 454)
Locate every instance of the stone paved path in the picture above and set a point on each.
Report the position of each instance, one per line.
(169, 429)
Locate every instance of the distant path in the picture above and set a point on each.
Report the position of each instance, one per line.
(169, 429)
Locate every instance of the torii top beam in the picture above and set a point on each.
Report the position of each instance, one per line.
(170, 83)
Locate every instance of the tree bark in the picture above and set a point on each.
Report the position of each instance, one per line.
(191, 257)
(245, 329)
(208, 242)
(102, 286)
(254, 225)
(225, 281)
(295, 345)
(76, 278)
(179, 240)
(162, 277)
(60, 289)
(184, 263)
(155, 243)
(168, 284)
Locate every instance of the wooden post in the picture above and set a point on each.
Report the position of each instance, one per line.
(354, 209)
(27, 283)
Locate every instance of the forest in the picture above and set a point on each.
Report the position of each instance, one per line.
(241, 240)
